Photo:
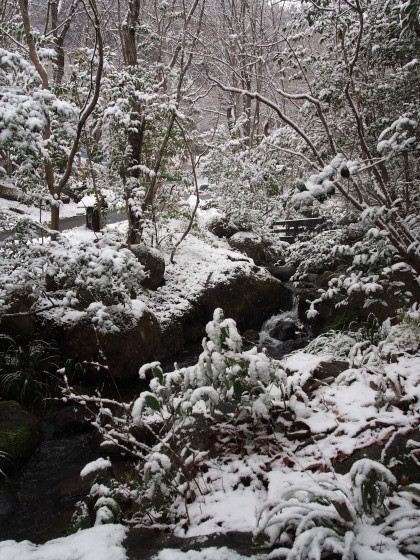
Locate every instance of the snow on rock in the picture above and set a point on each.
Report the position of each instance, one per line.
(103, 542)
(206, 274)
(303, 362)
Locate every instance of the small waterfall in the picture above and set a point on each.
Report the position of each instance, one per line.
(283, 333)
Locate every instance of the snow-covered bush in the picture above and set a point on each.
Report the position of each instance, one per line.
(224, 374)
(105, 271)
(101, 507)
(385, 342)
(353, 517)
(61, 274)
(22, 264)
(315, 254)
(229, 386)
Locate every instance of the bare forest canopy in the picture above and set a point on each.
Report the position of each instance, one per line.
(277, 97)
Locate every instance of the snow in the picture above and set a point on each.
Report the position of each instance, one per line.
(341, 416)
(304, 363)
(200, 262)
(103, 542)
(94, 466)
(87, 202)
(227, 505)
(211, 553)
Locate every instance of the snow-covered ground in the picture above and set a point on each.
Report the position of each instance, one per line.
(103, 542)
(360, 407)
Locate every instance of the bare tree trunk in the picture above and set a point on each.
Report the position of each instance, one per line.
(54, 185)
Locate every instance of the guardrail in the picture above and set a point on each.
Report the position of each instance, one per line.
(288, 230)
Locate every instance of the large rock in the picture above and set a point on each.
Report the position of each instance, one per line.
(221, 226)
(248, 298)
(133, 339)
(154, 265)
(286, 329)
(72, 332)
(283, 273)
(20, 433)
(250, 244)
(136, 342)
(398, 456)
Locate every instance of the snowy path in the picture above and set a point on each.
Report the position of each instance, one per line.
(77, 221)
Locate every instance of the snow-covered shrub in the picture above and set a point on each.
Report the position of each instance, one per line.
(22, 263)
(234, 387)
(351, 517)
(58, 273)
(386, 342)
(101, 506)
(224, 374)
(315, 254)
(371, 279)
(105, 271)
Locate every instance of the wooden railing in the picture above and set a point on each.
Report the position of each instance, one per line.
(288, 230)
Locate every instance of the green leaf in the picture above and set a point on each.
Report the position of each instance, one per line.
(152, 402)
(412, 490)
(237, 388)
(158, 373)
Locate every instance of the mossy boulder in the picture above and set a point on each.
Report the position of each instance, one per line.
(20, 433)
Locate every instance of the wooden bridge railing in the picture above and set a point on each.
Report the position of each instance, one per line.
(289, 229)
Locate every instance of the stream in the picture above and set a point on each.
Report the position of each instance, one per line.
(38, 499)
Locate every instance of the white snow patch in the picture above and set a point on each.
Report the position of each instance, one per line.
(304, 363)
(87, 202)
(103, 542)
(211, 553)
(94, 466)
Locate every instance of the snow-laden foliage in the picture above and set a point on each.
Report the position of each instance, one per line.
(105, 271)
(352, 517)
(26, 110)
(223, 374)
(246, 182)
(184, 401)
(239, 420)
(63, 274)
(368, 273)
